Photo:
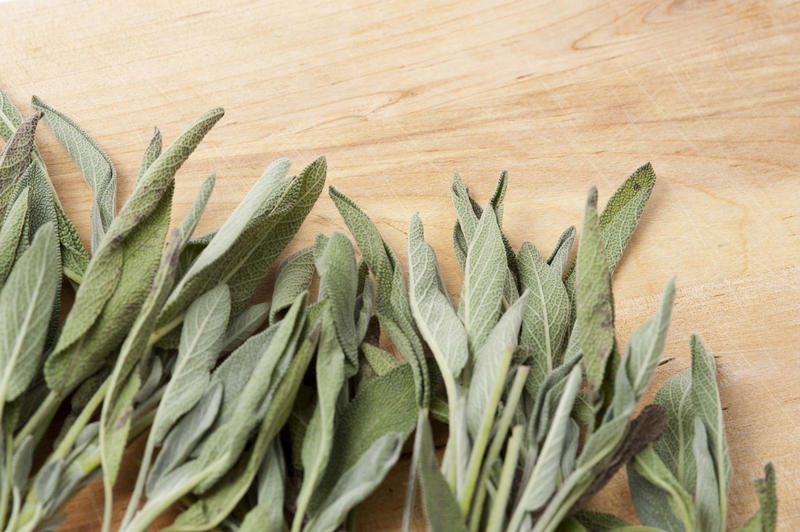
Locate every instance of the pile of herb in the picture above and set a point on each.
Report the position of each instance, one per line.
(287, 414)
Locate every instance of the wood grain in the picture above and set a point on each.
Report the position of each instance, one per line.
(563, 95)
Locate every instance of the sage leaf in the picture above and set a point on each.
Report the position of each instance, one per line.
(245, 324)
(709, 409)
(641, 357)
(46, 482)
(675, 446)
(595, 308)
(710, 515)
(15, 158)
(26, 302)
(114, 430)
(10, 234)
(433, 311)
(294, 277)
(336, 263)
(559, 257)
(647, 343)
(379, 360)
(383, 405)
(484, 278)
(766, 517)
(357, 482)
(95, 167)
(150, 154)
(201, 343)
(623, 210)
(598, 521)
(546, 318)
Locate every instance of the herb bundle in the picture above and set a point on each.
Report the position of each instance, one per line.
(288, 414)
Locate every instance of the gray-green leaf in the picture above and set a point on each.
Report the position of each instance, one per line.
(433, 311)
(546, 319)
(95, 167)
(26, 302)
(201, 343)
(594, 304)
(484, 277)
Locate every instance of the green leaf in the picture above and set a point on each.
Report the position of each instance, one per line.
(675, 446)
(294, 277)
(766, 517)
(392, 305)
(383, 405)
(244, 325)
(647, 343)
(357, 482)
(709, 409)
(546, 318)
(93, 163)
(318, 440)
(201, 343)
(10, 117)
(559, 257)
(336, 263)
(26, 302)
(710, 515)
(442, 510)
(433, 311)
(10, 234)
(488, 362)
(658, 496)
(150, 154)
(15, 158)
(484, 278)
(594, 304)
(641, 358)
(623, 211)
(118, 278)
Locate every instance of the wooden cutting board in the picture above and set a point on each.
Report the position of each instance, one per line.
(564, 95)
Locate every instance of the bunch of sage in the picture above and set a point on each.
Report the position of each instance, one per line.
(115, 351)
(540, 401)
(288, 414)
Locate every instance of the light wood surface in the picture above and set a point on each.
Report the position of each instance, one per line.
(563, 95)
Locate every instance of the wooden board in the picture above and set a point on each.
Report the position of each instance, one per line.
(561, 94)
